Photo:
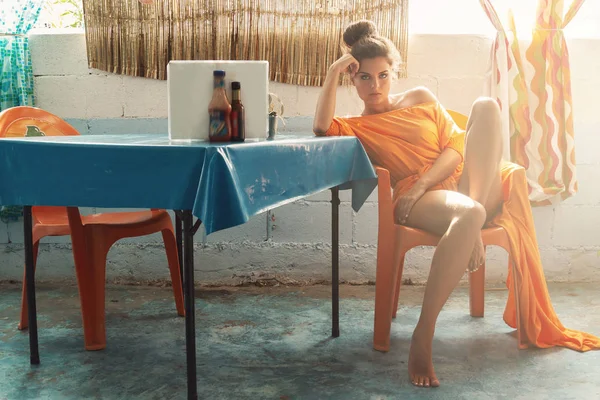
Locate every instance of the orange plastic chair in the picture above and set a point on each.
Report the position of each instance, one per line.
(92, 236)
(394, 241)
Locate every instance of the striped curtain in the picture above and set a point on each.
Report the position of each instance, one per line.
(530, 78)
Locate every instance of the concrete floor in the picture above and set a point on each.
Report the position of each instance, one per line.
(273, 343)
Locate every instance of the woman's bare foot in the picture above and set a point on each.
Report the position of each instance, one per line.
(477, 256)
(420, 365)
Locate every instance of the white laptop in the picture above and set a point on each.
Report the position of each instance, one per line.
(190, 87)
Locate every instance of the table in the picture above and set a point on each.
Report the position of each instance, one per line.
(223, 185)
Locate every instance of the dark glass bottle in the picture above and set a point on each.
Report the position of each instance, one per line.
(219, 111)
(238, 116)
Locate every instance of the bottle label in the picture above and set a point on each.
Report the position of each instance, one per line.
(234, 125)
(219, 83)
(218, 124)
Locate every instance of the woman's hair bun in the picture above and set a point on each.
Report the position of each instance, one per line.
(359, 30)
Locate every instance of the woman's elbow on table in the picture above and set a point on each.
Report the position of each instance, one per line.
(320, 130)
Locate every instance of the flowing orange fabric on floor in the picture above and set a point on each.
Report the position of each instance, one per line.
(539, 323)
(407, 142)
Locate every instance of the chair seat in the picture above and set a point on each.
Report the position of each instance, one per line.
(51, 216)
(129, 218)
(493, 235)
(58, 218)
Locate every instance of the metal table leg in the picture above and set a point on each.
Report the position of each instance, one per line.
(34, 354)
(189, 229)
(335, 262)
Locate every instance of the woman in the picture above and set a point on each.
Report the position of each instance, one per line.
(445, 181)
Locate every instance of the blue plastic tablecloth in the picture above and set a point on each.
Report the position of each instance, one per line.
(224, 185)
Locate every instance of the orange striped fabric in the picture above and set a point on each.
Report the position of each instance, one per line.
(532, 84)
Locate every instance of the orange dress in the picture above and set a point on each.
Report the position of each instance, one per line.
(407, 142)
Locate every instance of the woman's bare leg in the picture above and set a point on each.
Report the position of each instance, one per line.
(481, 178)
(459, 220)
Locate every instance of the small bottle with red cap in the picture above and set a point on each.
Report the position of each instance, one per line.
(238, 117)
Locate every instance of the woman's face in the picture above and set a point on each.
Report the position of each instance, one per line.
(373, 80)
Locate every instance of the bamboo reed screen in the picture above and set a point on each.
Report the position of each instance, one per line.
(299, 38)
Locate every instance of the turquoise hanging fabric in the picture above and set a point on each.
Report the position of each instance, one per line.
(17, 17)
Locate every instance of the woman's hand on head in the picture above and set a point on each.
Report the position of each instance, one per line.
(346, 63)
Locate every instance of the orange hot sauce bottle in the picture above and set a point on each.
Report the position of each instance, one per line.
(219, 110)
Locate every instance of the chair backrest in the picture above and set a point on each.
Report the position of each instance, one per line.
(459, 119)
(24, 121)
(27, 121)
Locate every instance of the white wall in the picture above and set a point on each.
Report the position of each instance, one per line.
(60, 66)
(297, 248)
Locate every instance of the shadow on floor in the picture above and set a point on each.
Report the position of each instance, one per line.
(273, 343)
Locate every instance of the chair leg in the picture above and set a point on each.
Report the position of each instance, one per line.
(173, 259)
(477, 291)
(400, 267)
(24, 322)
(90, 268)
(385, 282)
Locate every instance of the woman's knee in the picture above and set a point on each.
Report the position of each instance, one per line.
(486, 106)
(485, 122)
(473, 214)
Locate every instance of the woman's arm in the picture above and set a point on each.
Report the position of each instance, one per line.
(448, 160)
(441, 169)
(326, 103)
